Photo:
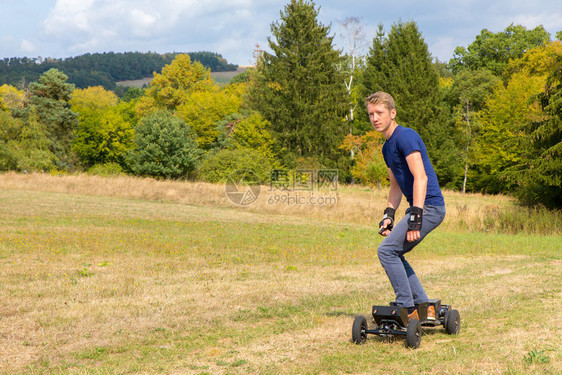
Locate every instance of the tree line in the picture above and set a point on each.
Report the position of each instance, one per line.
(491, 117)
(101, 69)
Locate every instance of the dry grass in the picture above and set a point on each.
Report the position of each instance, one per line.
(125, 275)
(355, 204)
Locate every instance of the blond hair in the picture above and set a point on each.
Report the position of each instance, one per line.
(381, 97)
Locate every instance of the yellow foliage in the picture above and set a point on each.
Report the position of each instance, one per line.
(503, 122)
(178, 81)
(252, 133)
(276, 86)
(539, 61)
(188, 90)
(369, 167)
(144, 106)
(445, 82)
(93, 98)
(203, 109)
(11, 97)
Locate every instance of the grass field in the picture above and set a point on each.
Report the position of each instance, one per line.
(221, 78)
(136, 276)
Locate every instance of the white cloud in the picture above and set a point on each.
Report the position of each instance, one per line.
(27, 46)
(233, 27)
(442, 48)
(83, 24)
(69, 16)
(142, 23)
(550, 21)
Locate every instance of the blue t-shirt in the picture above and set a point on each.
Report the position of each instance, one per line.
(402, 143)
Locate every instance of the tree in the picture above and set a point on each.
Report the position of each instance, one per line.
(224, 164)
(353, 38)
(164, 147)
(541, 173)
(103, 135)
(510, 145)
(24, 146)
(187, 89)
(369, 167)
(177, 82)
(494, 50)
(205, 109)
(49, 100)
(538, 61)
(298, 87)
(11, 98)
(252, 132)
(401, 65)
(9, 131)
(93, 98)
(469, 92)
(504, 123)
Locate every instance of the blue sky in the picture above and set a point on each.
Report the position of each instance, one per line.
(64, 28)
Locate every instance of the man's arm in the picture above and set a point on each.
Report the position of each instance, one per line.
(415, 164)
(395, 194)
(394, 198)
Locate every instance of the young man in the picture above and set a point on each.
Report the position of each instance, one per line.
(411, 174)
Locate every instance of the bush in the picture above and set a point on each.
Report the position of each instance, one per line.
(105, 170)
(218, 167)
(165, 147)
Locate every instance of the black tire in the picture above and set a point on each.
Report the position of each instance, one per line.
(358, 334)
(452, 322)
(413, 334)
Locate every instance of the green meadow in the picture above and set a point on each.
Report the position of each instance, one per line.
(104, 283)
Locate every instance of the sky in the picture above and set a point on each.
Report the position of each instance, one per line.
(232, 28)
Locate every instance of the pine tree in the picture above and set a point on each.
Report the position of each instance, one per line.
(50, 102)
(541, 175)
(401, 65)
(298, 88)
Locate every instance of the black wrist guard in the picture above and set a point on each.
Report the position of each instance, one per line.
(388, 214)
(415, 219)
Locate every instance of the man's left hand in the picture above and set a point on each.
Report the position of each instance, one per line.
(413, 235)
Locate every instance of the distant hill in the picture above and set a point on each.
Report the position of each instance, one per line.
(102, 69)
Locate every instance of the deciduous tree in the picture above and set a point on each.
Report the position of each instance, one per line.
(103, 134)
(204, 109)
(11, 98)
(494, 50)
(177, 82)
(369, 167)
(504, 121)
(468, 93)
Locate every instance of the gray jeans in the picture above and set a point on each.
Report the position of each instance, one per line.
(391, 251)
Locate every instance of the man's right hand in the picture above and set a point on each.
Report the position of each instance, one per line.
(387, 223)
(383, 227)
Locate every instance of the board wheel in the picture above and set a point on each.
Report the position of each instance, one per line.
(452, 322)
(358, 334)
(413, 334)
